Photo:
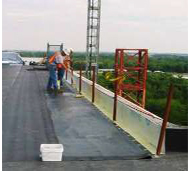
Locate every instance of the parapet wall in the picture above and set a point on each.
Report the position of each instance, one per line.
(139, 123)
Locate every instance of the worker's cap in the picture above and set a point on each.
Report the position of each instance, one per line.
(71, 50)
(68, 51)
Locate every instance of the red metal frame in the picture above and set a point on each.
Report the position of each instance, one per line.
(80, 80)
(131, 64)
(66, 74)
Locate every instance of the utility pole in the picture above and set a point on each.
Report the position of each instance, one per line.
(93, 35)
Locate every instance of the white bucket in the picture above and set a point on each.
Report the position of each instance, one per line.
(51, 152)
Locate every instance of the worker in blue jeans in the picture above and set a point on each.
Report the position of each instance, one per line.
(63, 64)
(61, 67)
(60, 73)
(52, 81)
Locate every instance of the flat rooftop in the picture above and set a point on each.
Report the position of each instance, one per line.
(31, 117)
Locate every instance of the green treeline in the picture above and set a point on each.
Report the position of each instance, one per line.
(157, 90)
(32, 53)
(168, 63)
(157, 62)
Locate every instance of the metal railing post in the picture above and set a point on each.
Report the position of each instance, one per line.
(80, 80)
(71, 73)
(115, 86)
(93, 86)
(66, 74)
(165, 119)
(115, 102)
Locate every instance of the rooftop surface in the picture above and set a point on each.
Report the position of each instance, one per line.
(32, 117)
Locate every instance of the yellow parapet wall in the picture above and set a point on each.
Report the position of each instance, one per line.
(139, 123)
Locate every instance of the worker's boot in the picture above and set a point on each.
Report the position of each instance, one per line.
(60, 90)
(49, 90)
(56, 91)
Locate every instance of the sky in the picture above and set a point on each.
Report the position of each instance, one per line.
(158, 25)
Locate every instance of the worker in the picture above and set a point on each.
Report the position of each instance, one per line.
(52, 81)
(63, 63)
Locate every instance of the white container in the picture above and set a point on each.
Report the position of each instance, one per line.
(51, 152)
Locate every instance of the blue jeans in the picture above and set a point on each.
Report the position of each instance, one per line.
(60, 76)
(52, 81)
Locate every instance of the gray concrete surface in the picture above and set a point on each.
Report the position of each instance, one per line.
(9, 75)
(85, 132)
(28, 122)
(175, 163)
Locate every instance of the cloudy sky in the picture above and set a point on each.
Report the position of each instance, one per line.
(159, 25)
